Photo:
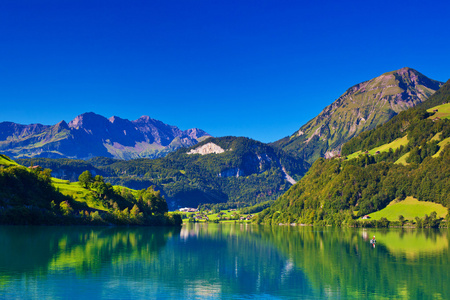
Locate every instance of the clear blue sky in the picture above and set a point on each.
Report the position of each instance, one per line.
(247, 68)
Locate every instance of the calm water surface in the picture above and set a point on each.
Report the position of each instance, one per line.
(222, 261)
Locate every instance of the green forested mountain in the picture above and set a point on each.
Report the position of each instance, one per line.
(361, 108)
(218, 170)
(338, 190)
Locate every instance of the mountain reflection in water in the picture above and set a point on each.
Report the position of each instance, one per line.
(233, 261)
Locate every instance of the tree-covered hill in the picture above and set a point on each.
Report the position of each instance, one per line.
(242, 171)
(338, 190)
(31, 196)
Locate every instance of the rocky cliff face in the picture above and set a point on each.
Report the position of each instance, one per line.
(362, 107)
(90, 135)
(207, 148)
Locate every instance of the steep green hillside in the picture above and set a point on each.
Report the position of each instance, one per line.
(336, 191)
(379, 140)
(31, 196)
(360, 108)
(242, 172)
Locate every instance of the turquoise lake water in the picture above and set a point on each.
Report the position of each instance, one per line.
(222, 261)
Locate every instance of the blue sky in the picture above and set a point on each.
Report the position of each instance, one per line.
(247, 68)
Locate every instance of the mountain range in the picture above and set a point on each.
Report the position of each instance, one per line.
(90, 135)
(190, 167)
(362, 107)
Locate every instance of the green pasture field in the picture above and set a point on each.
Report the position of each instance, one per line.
(402, 160)
(383, 148)
(79, 194)
(410, 208)
(6, 161)
(442, 145)
(443, 111)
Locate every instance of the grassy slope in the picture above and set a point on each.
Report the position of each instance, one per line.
(409, 208)
(443, 111)
(65, 187)
(78, 193)
(402, 160)
(442, 145)
(383, 148)
(68, 188)
(6, 161)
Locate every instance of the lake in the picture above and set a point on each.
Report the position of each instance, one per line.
(222, 261)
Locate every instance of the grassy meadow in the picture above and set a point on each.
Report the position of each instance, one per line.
(410, 208)
(383, 148)
(6, 161)
(78, 193)
(443, 111)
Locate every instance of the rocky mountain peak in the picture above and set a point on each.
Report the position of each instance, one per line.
(115, 119)
(196, 133)
(362, 107)
(144, 119)
(87, 120)
(62, 125)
